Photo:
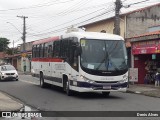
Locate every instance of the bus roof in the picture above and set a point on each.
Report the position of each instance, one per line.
(79, 35)
(93, 35)
(46, 40)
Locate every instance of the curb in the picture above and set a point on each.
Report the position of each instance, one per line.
(142, 93)
(9, 103)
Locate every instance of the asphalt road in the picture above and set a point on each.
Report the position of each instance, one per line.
(28, 91)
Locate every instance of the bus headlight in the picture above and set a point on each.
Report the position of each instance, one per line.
(125, 79)
(2, 73)
(86, 79)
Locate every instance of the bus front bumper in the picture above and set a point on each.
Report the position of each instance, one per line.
(91, 87)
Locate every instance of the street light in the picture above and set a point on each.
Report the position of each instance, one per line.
(24, 62)
(14, 27)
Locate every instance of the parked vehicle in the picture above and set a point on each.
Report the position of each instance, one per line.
(8, 72)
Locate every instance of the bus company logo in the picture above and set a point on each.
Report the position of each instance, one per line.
(6, 114)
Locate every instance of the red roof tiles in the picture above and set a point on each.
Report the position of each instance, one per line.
(148, 34)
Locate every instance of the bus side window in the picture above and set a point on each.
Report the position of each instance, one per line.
(56, 48)
(37, 51)
(53, 49)
(45, 50)
(50, 51)
(41, 51)
(64, 48)
(40, 46)
(33, 51)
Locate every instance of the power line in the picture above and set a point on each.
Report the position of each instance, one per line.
(80, 10)
(31, 7)
(64, 28)
(136, 3)
(75, 19)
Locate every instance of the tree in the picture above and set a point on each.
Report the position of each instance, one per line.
(11, 51)
(4, 44)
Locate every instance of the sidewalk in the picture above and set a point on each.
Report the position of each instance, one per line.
(7, 103)
(24, 73)
(148, 90)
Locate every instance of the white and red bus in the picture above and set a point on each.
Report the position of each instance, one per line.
(82, 61)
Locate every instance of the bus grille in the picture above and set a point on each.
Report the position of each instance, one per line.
(106, 81)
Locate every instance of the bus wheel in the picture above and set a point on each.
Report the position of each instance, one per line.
(105, 93)
(68, 91)
(42, 84)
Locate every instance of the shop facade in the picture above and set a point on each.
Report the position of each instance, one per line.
(146, 56)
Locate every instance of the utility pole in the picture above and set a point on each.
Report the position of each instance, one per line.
(116, 29)
(24, 31)
(24, 41)
(13, 48)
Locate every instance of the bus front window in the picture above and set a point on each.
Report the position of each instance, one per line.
(103, 55)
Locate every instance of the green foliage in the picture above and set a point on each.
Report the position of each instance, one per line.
(4, 44)
(11, 51)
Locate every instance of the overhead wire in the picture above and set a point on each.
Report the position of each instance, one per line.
(74, 19)
(31, 7)
(64, 28)
(84, 9)
(71, 20)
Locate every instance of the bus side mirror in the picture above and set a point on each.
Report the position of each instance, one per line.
(78, 50)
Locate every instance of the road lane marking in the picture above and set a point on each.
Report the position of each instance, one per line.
(29, 82)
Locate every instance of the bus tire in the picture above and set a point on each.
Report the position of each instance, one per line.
(42, 83)
(105, 93)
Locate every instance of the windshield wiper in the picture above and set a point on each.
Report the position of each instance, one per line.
(115, 67)
(107, 60)
(101, 63)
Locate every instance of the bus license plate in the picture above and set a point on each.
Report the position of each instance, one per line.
(107, 87)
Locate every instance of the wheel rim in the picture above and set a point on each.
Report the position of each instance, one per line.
(41, 82)
(67, 87)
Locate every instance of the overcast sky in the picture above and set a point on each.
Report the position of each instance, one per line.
(47, 18)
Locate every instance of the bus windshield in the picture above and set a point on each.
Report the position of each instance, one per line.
(103, 55)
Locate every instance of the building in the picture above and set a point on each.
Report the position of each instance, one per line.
(146, 54)
(132, 24)
(21, 60)
(2, 54)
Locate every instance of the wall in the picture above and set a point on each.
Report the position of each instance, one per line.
(19, 63)
(28, 46)
(139, 22)
(25, 62)
(107, 25)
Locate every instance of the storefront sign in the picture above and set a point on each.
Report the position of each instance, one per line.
(133, 74)
(146, 47)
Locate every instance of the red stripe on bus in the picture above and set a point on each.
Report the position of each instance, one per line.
(46, 40)
(47, 60)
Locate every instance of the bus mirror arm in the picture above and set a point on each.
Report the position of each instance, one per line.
(78, 50)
